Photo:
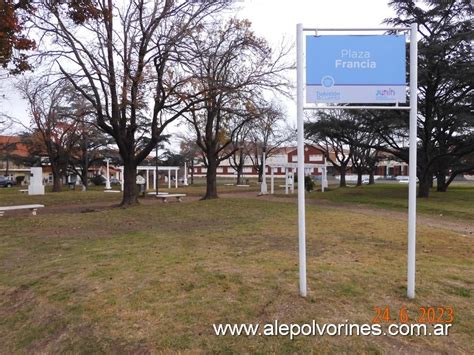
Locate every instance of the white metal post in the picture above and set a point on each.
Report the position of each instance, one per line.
(185, 178)
(324, 178)
(169, 178)
(272, 181)
(286, 180)
(263, 185)
(300, 129)
(147, 179)
(292, 184)
(107, 175)
(411, 268)
(154, 179)
(176, 177)
(121, 178)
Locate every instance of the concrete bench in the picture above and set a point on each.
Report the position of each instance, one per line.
(33, 208)
(164, 198)
(23, 191)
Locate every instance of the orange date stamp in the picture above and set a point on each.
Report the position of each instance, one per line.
(427, 315)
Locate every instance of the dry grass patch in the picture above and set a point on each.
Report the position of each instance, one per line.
(157, 277)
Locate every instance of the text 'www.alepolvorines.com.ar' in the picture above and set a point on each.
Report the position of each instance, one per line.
(293, 330)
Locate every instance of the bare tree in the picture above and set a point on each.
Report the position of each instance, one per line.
(130, 59)
(5, 122)
(53, 127)
(233, 66)
(241, 147)
(333, 133)
(90, 148)
(267, 134)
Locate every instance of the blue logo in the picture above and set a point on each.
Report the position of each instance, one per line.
(385, 94)
(327, 81)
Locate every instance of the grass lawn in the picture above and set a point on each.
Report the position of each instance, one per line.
(157, 276)
(456, 202)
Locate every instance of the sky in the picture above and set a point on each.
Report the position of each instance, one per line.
(273, 20)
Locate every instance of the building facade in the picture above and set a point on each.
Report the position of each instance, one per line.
(287, 158)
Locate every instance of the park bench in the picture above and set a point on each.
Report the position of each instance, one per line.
(24, 191)
(164, 198)
(33, 208)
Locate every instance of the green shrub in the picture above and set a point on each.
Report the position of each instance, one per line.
(19, 179)
(308, 183)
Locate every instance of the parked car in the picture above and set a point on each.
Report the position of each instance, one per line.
(101, 179)
(114, 181)
(6, 182)
(388, 177)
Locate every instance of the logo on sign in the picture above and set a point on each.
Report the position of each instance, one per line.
(327, 81)
(385, 94)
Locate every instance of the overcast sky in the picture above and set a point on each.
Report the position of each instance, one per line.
(272, 19)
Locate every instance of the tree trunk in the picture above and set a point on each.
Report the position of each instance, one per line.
(239, 176)
(441, 185)
(85, 168)
(342, 181)
(359, 178)
(451, 179)
(130, 190)
(260, 173)
(85, 183)
(57, 185)
(371, 177)
(211, 179)
(425, 185)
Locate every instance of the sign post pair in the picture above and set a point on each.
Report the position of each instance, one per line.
(356, 70)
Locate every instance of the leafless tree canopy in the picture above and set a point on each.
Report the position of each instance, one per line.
(267, 133)
(131, 58)
(231, 71)
(53, 126)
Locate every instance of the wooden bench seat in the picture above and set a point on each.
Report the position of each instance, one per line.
(33, 208)
(164, 198)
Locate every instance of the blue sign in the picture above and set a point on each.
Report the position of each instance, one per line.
(355, 69)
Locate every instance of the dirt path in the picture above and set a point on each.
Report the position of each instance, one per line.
(442, 222)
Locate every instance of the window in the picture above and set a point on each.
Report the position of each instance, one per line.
(219, 170)
(294, 158)
(203, 170)
(315, 157)
(247, 170)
